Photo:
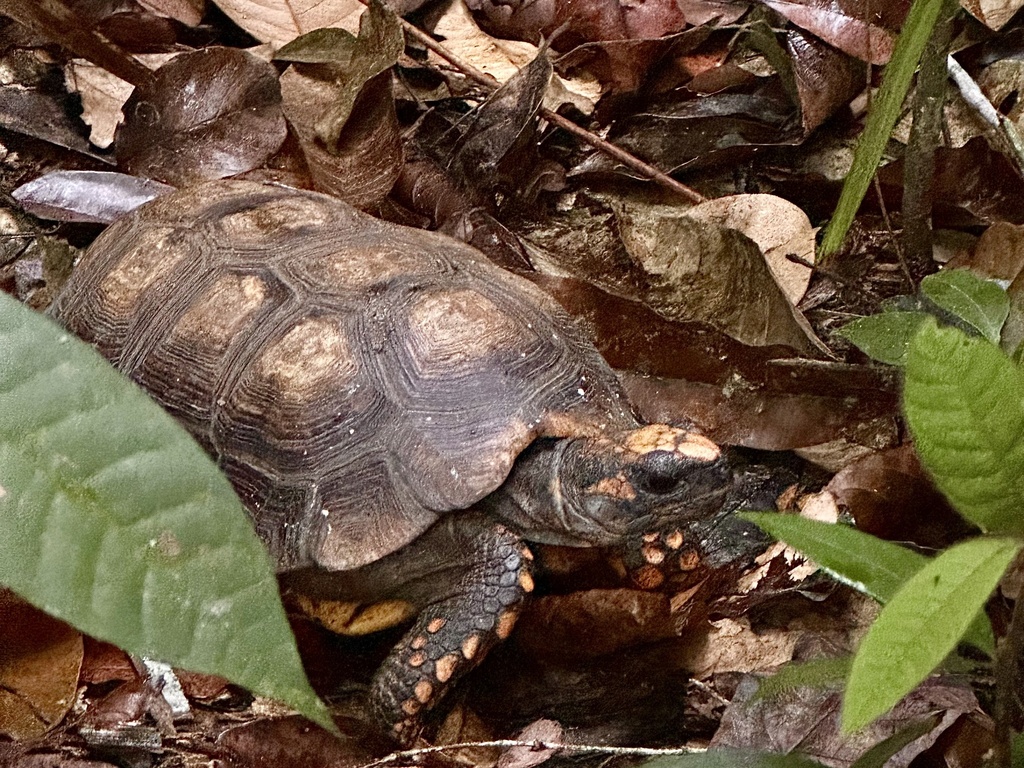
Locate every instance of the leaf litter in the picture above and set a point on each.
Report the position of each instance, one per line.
(713, 313)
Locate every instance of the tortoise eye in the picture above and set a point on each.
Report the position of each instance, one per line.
(659, 472)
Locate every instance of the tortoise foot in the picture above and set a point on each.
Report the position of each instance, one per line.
(452, 636)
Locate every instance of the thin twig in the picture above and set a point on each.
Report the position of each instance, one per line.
(56, 21)
(413, 754)
(491, 84)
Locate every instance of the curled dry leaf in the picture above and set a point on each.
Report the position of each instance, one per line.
(860, 28)
(208, 114)
(696, 270)
(281, 21)
(40, 658)
(826, 79)
(500, 123)
(338, 99)
(90, 196)
(777, 226)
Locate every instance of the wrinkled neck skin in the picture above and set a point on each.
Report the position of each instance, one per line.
(532, 499)
(609, 490)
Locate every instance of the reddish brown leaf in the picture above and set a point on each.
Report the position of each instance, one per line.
(40, 658)
(860, 28)
(291, 741)
(208, 114)
(769, 421)
(826, 79)
(889, 495)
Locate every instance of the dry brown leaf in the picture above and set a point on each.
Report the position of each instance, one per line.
(856, 27)
(732, 646)
(208, 114)
(40, 658)
(501, 59)
(777, 226)
(546, 731)
(992, 13)
(281, 21)
(364, 165)
(698, 270)
(188, 12)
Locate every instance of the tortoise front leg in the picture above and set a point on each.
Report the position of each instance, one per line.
(489, 571)
(466, 577)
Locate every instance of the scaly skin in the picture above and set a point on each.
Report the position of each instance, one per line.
(452, 636)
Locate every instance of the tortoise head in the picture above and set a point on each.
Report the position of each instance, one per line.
(613, 489)
(649, 479)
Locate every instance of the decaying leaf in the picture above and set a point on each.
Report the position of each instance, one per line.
(338, 99)
(209, 114)
(40, 658)
(807, 719)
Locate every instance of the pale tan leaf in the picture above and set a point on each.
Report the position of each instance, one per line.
(103, 94)
(281, 21)
(778, 227)
(188, 12)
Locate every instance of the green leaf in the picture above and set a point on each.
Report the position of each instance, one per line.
(876, 567)
(732, 758)
(964, 403)
(980, 303)
(885, 337)
(114, 520)
(873, 566)
(885, 110)
(922, 623)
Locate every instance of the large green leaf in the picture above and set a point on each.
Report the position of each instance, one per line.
(114, 520)
(732, 758)
(873, 566)
(980, 303)
(964, 402)
(868, 564)
(922, 623)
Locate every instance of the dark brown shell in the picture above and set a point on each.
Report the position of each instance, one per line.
(354, 378)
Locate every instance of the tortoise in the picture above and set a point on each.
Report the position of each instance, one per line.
(399, 416)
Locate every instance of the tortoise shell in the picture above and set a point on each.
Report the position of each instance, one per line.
(354, 378)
